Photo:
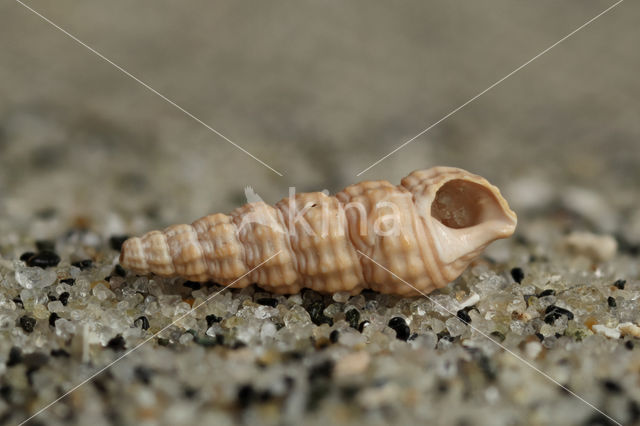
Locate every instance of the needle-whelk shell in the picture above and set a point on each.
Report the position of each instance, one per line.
(426, 231)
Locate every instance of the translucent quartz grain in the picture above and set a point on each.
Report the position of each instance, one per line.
(34, 277)
(55, 306)
(40, 312)
(455, 326)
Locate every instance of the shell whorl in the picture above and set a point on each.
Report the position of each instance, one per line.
(416, 230)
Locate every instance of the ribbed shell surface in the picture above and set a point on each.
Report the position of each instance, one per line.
(313, 241)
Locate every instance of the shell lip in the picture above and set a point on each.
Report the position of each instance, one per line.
(462, 211)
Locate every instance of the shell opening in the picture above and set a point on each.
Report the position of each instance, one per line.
(462, 204)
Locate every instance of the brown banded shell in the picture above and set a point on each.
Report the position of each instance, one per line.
(426, 231)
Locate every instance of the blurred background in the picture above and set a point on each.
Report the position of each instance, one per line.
(319, 90)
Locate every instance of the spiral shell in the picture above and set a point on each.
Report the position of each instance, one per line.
(426, 231)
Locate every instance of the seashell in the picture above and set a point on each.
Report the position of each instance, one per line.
(426, 230)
